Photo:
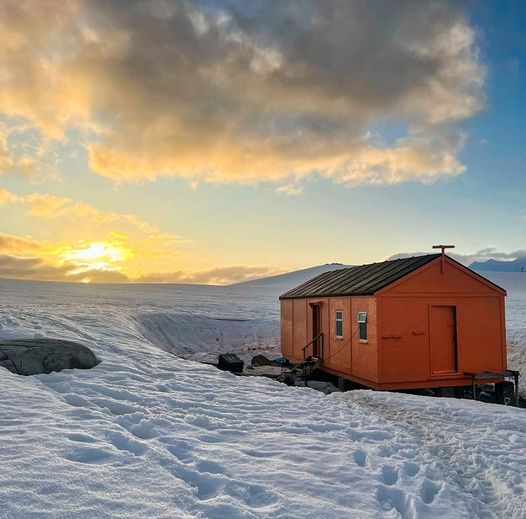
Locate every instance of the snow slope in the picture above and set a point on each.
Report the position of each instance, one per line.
(284, 282)
(147, 434)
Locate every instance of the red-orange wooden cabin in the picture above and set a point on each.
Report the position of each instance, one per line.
(417, 322)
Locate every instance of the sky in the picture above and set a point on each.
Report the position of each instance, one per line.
(214, 141)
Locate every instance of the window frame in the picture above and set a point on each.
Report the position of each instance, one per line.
(363, 332)
(336, 322)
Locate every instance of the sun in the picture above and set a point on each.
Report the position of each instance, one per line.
(97, 255)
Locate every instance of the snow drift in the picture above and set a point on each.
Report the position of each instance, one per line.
(148, 434)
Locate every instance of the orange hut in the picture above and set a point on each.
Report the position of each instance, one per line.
(420, 322)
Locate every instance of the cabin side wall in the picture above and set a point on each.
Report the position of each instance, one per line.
(345, 355)
(408, 350)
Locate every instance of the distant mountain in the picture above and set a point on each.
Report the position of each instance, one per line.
(284, 282)
(517, 265)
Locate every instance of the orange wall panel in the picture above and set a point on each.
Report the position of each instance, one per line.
(404, 339)
(287, 323)
(480, 338)
(300, 328)
(364, 355)
(338, 350)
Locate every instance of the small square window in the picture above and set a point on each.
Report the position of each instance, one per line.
(362, 325)
(339, 324)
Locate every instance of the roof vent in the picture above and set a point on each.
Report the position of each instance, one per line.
(443, 248)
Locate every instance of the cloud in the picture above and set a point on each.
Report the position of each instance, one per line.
(232, 91)
(74, 267)
(15, 267)
(25, 258)
(16, 244)
(56, 207)
(85, 238)
(216, 276)
(115, 259)
(289, 189)
(15, 158)
(468, 259)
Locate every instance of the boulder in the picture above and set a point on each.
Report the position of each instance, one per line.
(34, 356)
(260, 360)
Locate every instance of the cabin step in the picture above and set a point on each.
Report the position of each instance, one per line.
(306, 367)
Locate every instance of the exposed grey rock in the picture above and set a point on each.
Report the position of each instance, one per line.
(260, 360)
(34, 356)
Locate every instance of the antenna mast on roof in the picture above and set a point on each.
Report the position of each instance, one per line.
(443, 248)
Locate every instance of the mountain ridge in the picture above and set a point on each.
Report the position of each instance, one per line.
(492, 265)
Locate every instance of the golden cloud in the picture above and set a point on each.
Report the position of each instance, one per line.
(56, 207)
(229, 93)
(110, 241)
(216, 276)
(104, 262)
(10, 244)
(116, 256)
(35, 268)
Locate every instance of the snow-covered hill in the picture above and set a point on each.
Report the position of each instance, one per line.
(148, 434)
(516, 265)
(284, 282)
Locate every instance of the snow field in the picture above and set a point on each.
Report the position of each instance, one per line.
(147, 434)
(456, 449)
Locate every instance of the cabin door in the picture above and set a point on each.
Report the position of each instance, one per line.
(316, 330)
(443, 339)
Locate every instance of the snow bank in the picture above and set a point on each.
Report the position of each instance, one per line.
(200, 337)
(147, 434)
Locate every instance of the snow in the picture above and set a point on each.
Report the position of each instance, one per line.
(149, 434)
(515, 284)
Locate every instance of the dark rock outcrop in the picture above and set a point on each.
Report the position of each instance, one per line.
(34, 356)
(260, 360)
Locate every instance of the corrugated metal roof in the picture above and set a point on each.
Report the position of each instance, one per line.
(359, 280)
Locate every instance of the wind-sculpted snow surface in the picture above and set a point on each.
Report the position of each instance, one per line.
(148, 434)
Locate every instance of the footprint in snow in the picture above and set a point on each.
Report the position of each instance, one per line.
(89, 455)
(211, 467)
(411, 469)
(255, 496)
(124, 443)
(391, 498)
(207, 486)
(389, 475)
(81, 438)
(429, 491)
(360, 458)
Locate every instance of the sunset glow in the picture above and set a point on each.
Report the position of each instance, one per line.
(99, 255)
